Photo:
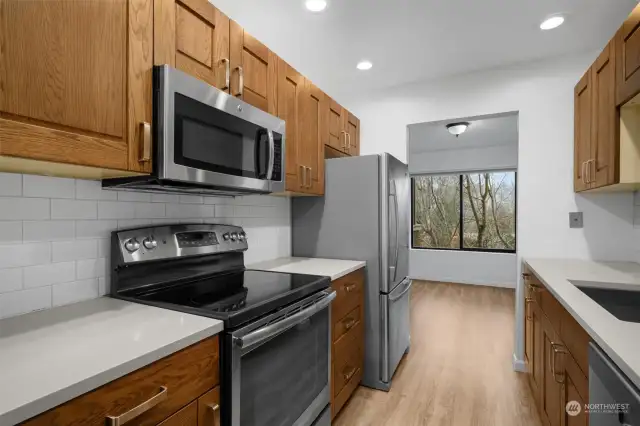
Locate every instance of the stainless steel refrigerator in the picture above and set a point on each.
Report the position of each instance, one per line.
(364, 215)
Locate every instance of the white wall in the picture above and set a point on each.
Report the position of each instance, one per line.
(54, 234)
(464, 160)
(542, 93)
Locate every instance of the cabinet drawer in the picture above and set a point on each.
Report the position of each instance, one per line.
(349, 293)
(347, 323)
(348, 357)
(551, 308)
(343, 396)
(178, 379)
(188, 416)
(576, 340)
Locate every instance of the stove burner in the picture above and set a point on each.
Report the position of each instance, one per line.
(213, 302)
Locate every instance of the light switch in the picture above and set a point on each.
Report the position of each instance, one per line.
(575, 220)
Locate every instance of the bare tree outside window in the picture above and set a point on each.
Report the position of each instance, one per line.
(479, 206)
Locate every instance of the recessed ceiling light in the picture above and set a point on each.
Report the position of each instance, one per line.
(364, 65)
(316, 5)
(457, 129)
(552, 22)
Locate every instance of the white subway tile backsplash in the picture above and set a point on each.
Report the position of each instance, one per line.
(10, 184)
(95, 228)
(13, 208)
(180, 211)
(74, 250)
(55, 238)
(75, 291)
(74, 209)
(10, 232)
(52, 273)
(90, 268)
(133, 196)
(10, 279)
(14, 255)
(47, 186)
(116, 210)
(48, 230)
(92, 190)
(23, 301)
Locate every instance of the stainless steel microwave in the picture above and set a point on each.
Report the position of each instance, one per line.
(209, 142)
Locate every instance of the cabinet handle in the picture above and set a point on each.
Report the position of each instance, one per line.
(349, 143)
(215, 411)
(349, 288)
(349, 375)
(227, 73)
(302, 170)
(344, 145)
(145, 135)
(240, 81)
(592, 178)
(140, 409)
(557, 348)
(584, 174)
(309, 177)
(527, 302)
(349, 323)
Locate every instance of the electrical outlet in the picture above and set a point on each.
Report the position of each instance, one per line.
(575, 220)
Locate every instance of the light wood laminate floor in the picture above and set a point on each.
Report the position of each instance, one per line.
(458, 371)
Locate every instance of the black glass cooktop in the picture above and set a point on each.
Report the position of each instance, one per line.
(234, 297)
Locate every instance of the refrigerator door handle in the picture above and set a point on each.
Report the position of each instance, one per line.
(394, 297)
(394, 194)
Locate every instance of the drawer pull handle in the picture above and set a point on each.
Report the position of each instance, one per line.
(349, 375)
(215, 410)
(527, 301)
(349, 323)
(349, 288)
(557, 348)
(140, 409)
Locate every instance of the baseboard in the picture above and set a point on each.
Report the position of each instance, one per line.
(477, 283)
(519, 364)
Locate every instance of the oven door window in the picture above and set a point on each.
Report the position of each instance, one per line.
(283, 377)
(207, 138)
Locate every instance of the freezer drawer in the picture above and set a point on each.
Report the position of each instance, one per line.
(395, 325)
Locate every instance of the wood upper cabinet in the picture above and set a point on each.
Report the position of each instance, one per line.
(311, 138)
(253, 70)
(583, 108)
(76, 79)
(337, 136)
(193, 36)
(290, 94)
(627, 48)
(352, 129)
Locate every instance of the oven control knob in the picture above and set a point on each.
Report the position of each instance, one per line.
(242, 236)
(226, 237)
(150, 243)
(132, 245)
(234, 236)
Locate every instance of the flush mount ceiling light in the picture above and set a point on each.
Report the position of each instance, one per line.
(316, 5)
(552, 22)
(364, 65)
(457, 129)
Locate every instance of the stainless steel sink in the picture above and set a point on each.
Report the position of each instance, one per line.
(622, 303)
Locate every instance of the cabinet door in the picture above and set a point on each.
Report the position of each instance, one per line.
(312, 150)
(528, 332)
(582, 132)
(627, 46)
(335, 126)
(352, 127)
(536, 361)
(188, 416)
(290, 88)
(193, 36)
(76, 81)
(575, 390)
(209, 408)
(551, 392)
(253, 70)
(605, 122)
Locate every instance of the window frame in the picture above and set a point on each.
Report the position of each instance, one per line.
(460, 200)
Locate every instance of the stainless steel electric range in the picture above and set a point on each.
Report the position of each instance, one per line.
(275, 349)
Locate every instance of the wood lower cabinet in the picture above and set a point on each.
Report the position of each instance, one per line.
(193, 36)
(553, 343)
(347, 353)
(180, 389)
(253, 70)
(78, 90)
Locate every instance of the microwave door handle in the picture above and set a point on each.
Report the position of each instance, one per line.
(272, 154)
(258, 151)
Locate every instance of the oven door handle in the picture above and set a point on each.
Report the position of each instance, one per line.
(260, 335)
(272, 154)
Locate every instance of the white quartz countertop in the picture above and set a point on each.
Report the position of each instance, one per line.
(50, 357)
(333, 268)
(619, 339)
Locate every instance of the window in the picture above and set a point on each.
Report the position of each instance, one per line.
(473, 212)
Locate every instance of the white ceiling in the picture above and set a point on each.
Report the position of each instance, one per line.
(483, 132)
(412, 40)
